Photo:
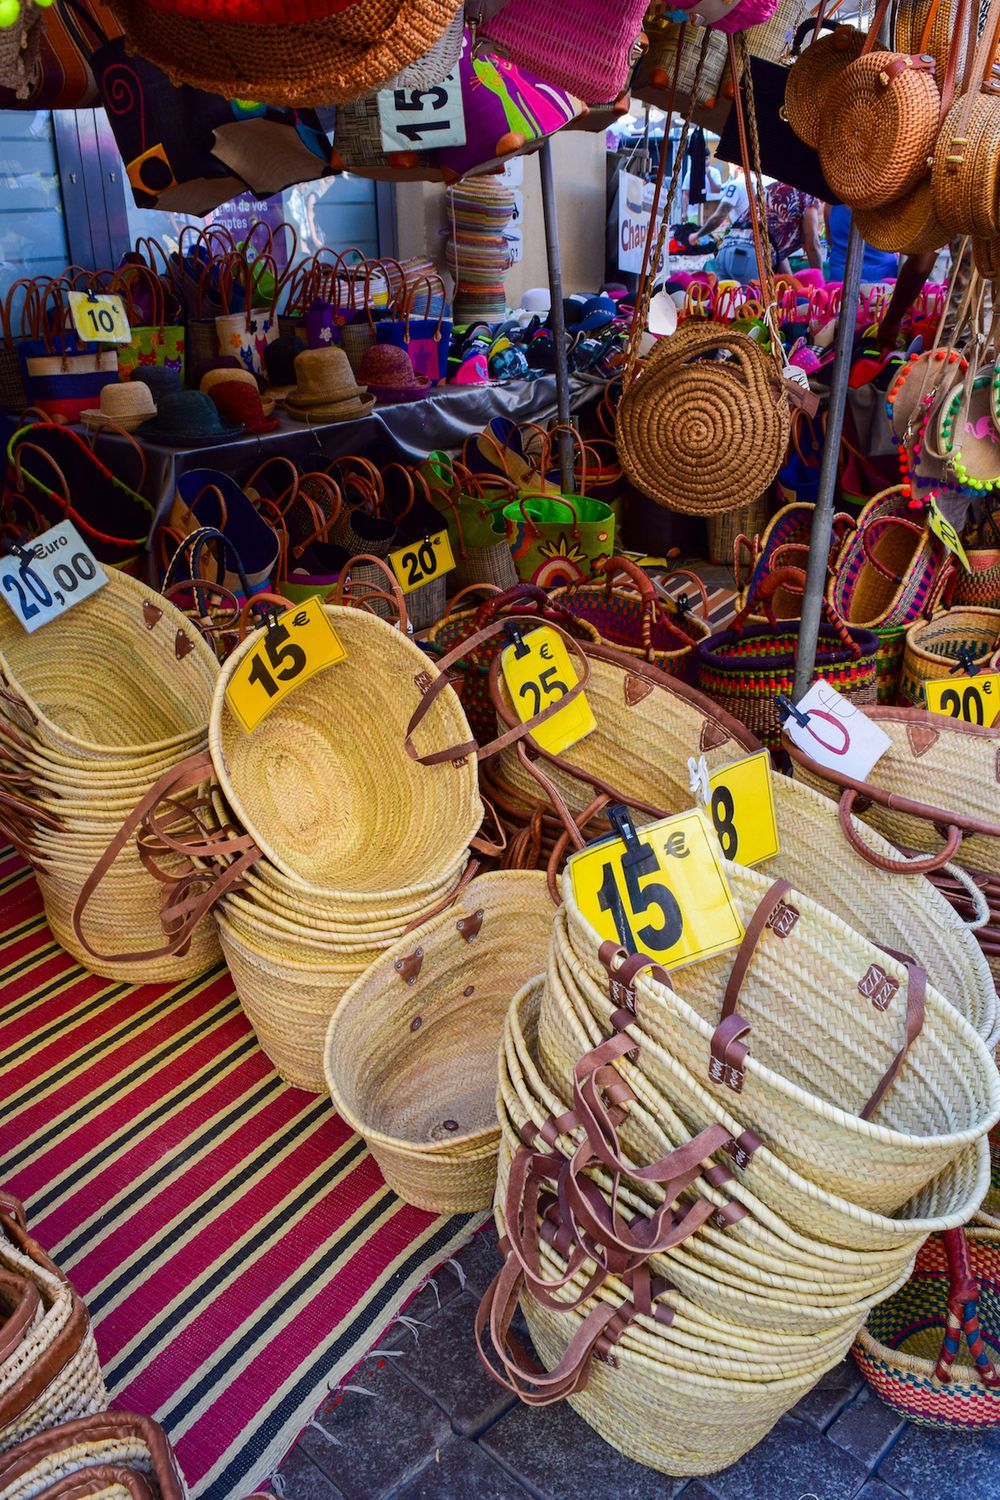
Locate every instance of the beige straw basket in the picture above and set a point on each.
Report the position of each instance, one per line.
(723, 529)
(54, 1372)
(410, 1053)
(934, 789)
(933, 647)
(819, 1049)
(324, 784)
(757, 1271)
(91, 1454)
(122, 678)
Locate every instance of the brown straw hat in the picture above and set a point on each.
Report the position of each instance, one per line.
(290, 52)
(326, 390)
(125, 405)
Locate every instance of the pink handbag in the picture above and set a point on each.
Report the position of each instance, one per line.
(588, 48)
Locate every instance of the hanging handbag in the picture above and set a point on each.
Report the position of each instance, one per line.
(587, 51)
(426, 338)
(63, 375)
(880, 120)
(783, 153)
(63, 77)
(966, 173)
(813, 72)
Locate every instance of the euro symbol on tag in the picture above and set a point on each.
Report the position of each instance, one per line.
(675, 846)
(545, 652)
(300, 618)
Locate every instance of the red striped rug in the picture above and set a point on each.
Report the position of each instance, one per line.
(234, 1241)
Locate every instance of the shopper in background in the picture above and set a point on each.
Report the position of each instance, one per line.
(733, 203)
(877, 265)
(792, 224)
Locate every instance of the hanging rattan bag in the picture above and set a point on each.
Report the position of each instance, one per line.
(813, 74)
(411, 1051)
(880, 120)
(700, 433)
(966, 171)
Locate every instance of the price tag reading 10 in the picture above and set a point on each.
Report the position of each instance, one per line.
(662, 891)
(99, 318)
(283, 655)
(421, 561)
(974, 699)
(538, 671)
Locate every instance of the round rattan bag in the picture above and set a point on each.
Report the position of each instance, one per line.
(879, 125)
(699, 432)
(324, 784)
(812, 75)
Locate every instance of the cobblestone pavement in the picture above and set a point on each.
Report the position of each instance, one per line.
(420, 1420)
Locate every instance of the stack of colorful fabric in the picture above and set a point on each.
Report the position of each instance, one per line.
(478, 253)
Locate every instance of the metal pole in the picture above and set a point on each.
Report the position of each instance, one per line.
(822, 526)
(556, 319)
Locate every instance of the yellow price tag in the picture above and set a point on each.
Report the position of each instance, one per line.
(538, 672)
(301, 642)
(946, 532)
(660, 891)
(99, 317)
(742, 808)
(419, 562)
(974, 699)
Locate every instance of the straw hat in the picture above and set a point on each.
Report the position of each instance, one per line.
(187, 419)
(291, 52)
(238, 402)
(229, 376)
(126, 405)
(325, 389)
(388, 372)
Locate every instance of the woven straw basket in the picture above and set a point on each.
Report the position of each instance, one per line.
(324, 785)
(898, 1351)
(938, 774)
(933, 648)
(99, 1455)
(410, 1054)
(875, 137)
(54, 1372)
(811, 77)
(700, 435)
(804, 1097)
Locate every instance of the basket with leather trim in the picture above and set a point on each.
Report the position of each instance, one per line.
(69, 1460)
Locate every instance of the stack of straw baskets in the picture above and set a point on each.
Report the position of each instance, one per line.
(698, 1214)
(93, 710)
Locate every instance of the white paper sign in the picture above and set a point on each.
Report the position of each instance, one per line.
(423, 119)
(838, 735)
(514, 231)
(633, 223)
(52, 573)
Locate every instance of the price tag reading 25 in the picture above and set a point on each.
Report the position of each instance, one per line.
(422, 561)
(283, 655)
(538, 671)
(660, 891)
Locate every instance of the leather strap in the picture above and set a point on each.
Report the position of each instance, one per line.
(22, 1303)
(916, 997)
(754, 932)
(922, 865)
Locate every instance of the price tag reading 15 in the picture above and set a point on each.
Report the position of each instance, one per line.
(660, 891)
(286, 653)
(974, 699)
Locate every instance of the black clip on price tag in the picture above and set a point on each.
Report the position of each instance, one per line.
(787, 710)
(966, 663)
(20, 549)
(516, 637)
(683, 604)
(638, 856)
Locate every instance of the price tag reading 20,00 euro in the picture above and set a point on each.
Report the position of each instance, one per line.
(283, 655)
(660, 891)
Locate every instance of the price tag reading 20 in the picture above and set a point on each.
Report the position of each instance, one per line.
(283, 655)
(660, 891)
(422, 561)
(974, 699)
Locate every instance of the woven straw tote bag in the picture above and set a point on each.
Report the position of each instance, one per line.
(979, 585)
(889, 572)
(908, 1350)
(810, 1099)
(52, 1373)
(956, 765)
(879, 123)
(942, 645)
(747, 666)
(724, 531)
(410, 1054)
(94, 1455)
(813, 73)
(698, 434)
(783, 542)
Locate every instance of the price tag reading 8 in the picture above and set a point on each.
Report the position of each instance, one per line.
(99, 317)
(945, 531)
(661, 891)
(538, 672)
(49, 575)
(422, 561)
(286, 653)
(974, 699)
(742, 808)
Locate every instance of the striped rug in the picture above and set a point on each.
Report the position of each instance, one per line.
(233, 1240)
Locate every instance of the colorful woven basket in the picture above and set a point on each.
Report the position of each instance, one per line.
(980, 584)
(946, 644)
(907, 1351)
(636, 619)
(746, 667)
